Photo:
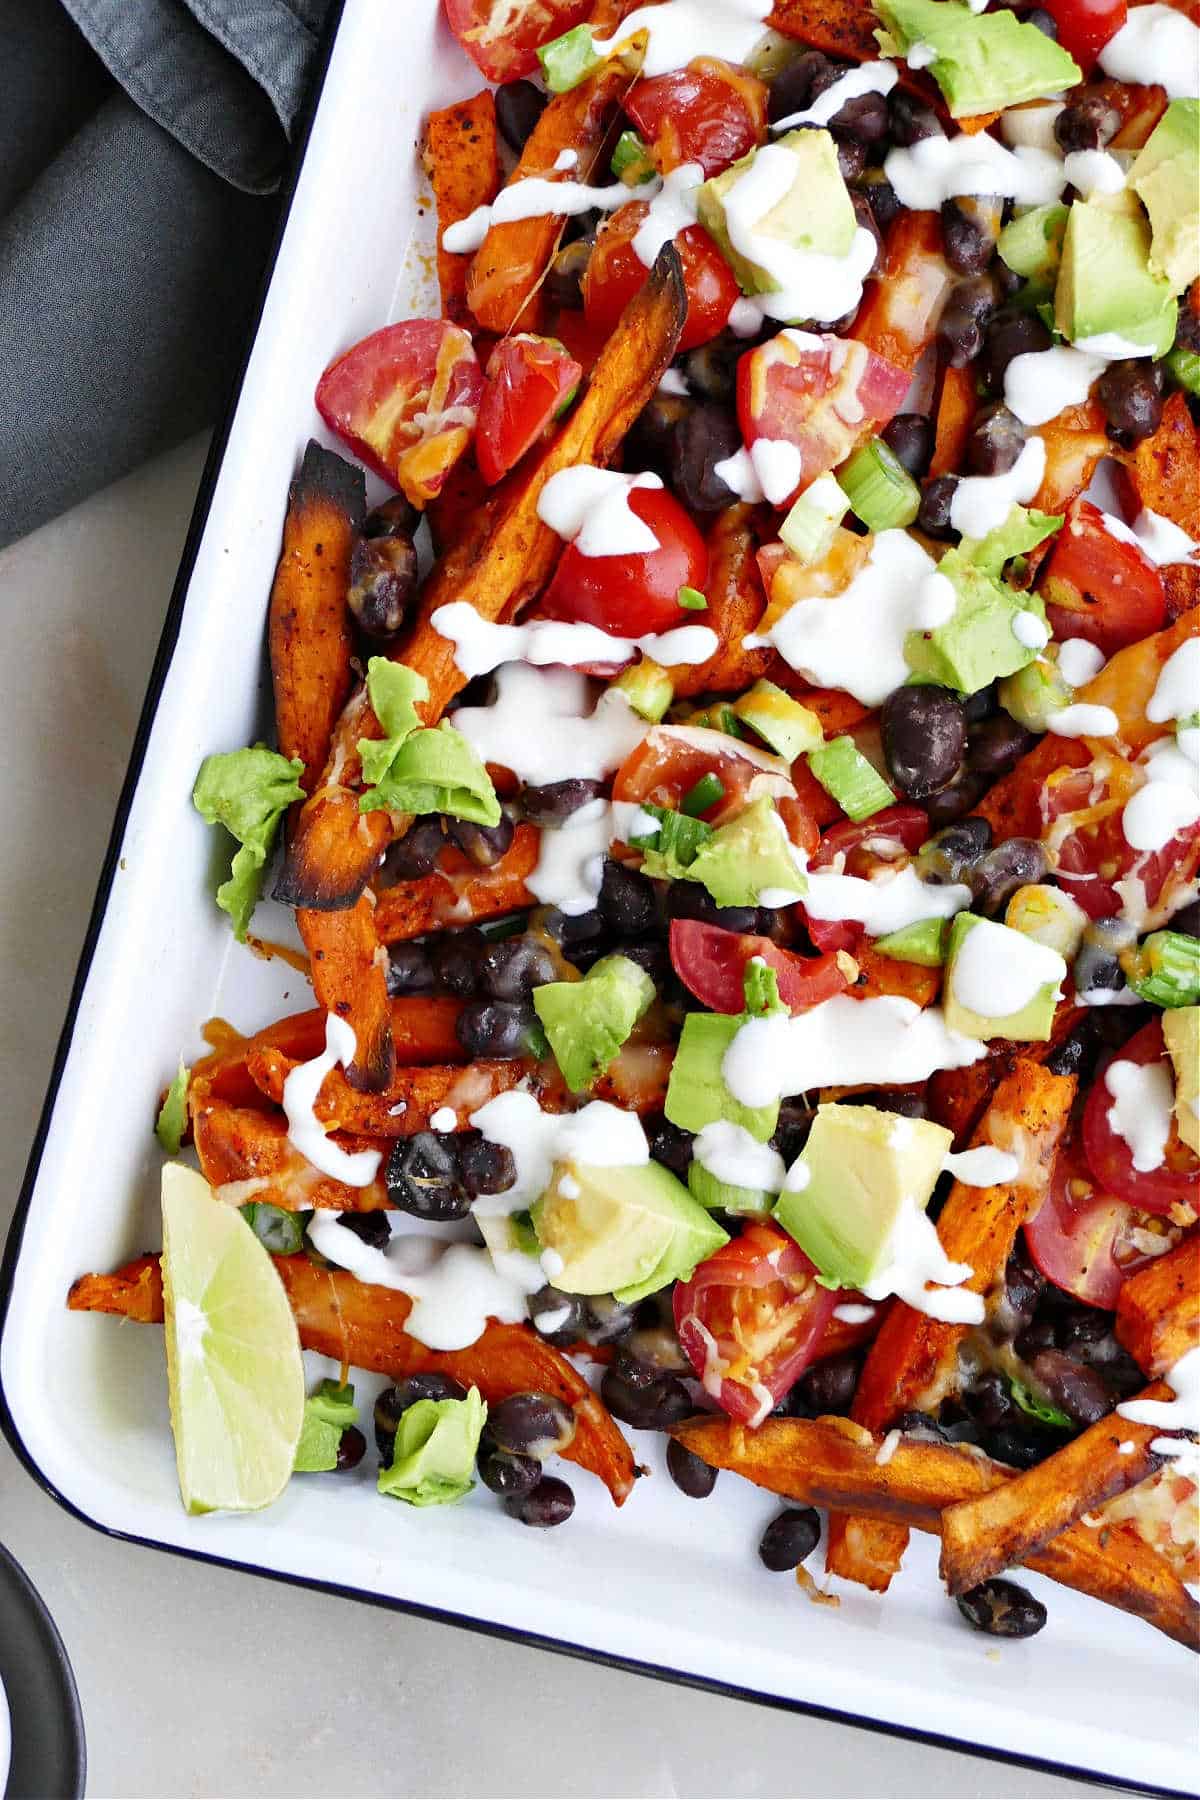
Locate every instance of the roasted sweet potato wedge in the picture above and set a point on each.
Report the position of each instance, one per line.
(735, 605)
(1165, 472)
(349, 977)
(410, 1099)
(1158, 1308)
(953, 420)
(411, 908)
(248, 1153)
(1127, 681)
(462, 164)
(899, 315)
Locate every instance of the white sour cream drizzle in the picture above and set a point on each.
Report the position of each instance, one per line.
(1156, 44)
(938, 168)
(985, 1166)
(1079, 661)
(1093, 172)
(981, 503)
(807, 284)
(888, 902)
(1170, 800)
(1143, 1100)
(356, 1168)
(1083, 721)
(730, 1154)
(919, 55)
(681, 29)
(850, 1312)
(1039, 383)
(536, 197)
(590, 508)
(1177, 691)
(543, 726)
(998, 971)
(1180, 1414)
(881, 1042)
(672, 210)
(917, 1258)
(1160, 540)
(599, 1136)
(481, 646)
(868, 78)
(570, 864)
(1030, 631)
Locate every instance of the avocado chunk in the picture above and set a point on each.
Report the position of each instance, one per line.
(846, 775)
(716, 1195)
(781, 722)
(977, 642)
(647, 687)
(1035, 693)
(749, 856)
(924, 942)
(983, 62)
(433, 1459)
(623, 1231)
(864, 1168)
(696, 1093)
(1181, 1030)
(1004, 961)
(814, 214)
(587, 1021)
(1166, 178)
(1031, 244)
(1106, 286)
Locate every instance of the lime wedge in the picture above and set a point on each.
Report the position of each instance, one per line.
(234, 1372)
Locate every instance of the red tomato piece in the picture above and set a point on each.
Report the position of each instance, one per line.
(711, 963)
(1094, 856)
(824, 396)
(405, 399)
(751, 1318)
(889, 837)
(634, 594)
(1085, 26)
(1098, 587)
(1079, 1237)
(1176, 1182)
(671, 759)
(503, 37)
(528, 380)
(709, 113)
(615, 273)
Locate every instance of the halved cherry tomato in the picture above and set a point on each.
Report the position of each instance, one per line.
(1176, 1182)
(633, 594)
(671, 759)
(1085, 26)
(821, 394)
(709, 113)
(405, 399)
(889, 838)
(711, 963)
(615, 273)
(528, 379)
(503, 37)
(1098, 587)
(1095, 855)
(1079, 1237)
(750, 1319)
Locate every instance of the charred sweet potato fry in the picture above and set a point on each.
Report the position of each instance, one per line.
(899, 315)
(349, 977)
(983, 1536)
(832, 1462)
(248, 1151)
(887, 975)
(410, 1099)
(411, 908)
(1158, 1308)
(1075, 442)
(1127, 681)
(1165, 471)
(462, 163)
(309, 624)
(355, 1322)
(735, 605)
(953, 420)
(1012, 807)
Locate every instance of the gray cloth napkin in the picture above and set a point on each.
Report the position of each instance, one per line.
(141, 145)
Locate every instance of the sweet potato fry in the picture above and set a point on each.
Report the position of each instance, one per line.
(899, 315)
(308, 624)
(1158, 1308)
(1127, 681)
(955, 415)
(462, 163)
(411, 1097)
(1011, 807)
(735, 605)
(981, 1537)
(411, 908)
(349, 977)
(356, 1322)
(1075, 443)
(887, 975)
(831, 1462)
(839, 27)
(248, 1153)
(1165, 471)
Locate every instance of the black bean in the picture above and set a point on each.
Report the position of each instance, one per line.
(792, 1128)
(416, 853)
(423, 1177)
(969, 306)
(711, 369)
(534, 1425)
(671, 1146)
(1187, 919)
(1037, 1336)
(1020, 1444)
(866, 118)
(688, 900)
(1008, 282)
(953, 802)
(557, 1317)
(1022, 1288)
(996, 441)
(563, 286)
(866, 219)
(507, 1475)
(922, 1426)
(1187, 331)
(511, 969)
(652, 956)
(911, 119)
(553, 805)
(519, 106)
(1072, 1056)
(881, 197)
(1074, 1388)
(582, 936)
(409, 970)
(691, 1475)
(606, 1319)
(352, 1447)
(484, 1168)
(1131, 394)
(997, 745)
(1098, 961)
(851, 155)
(828, 1387)
(456, 957)
(909, 437)
(496, 1029)
(970, 227)
(924, 736)
(708, 433)
(484, 845)
(951, 852)
(656, 1345)
(980, 705)
(650, 1404)
(1088, 123)
(368, 1227)
(392, 1402)
(933, 516)
(792, 90)
(1002, 1609)
(997, 876)
(989, 1400)
(627, 901)
(395, 516)
(789, 1539)
(1077, 1326)
(1046, 23)
(383, 580)
(651, 441)
(1010, 333)
(551, 1502)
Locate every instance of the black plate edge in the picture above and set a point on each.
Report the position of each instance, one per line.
(21, 1780)
(8, 1265)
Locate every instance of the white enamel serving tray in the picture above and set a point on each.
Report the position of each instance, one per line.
(86, 1396)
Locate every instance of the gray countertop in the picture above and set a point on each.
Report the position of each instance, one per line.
(195, 1680)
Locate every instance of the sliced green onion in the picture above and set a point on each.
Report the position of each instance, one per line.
(844, 772)
(718, 717)
(280, 1232)
(1167, 969)
(632, 162)
(808, 529)
(1042, 1410)
(707, 791)
(879, 488)
(691, 600)
(760, 985)
(678, 838)
(1185, 367)
(566, 60)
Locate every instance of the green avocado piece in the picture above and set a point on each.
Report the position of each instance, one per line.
(984, 62)
(587, 1021)
(815, 214)
(1032, 1025)
(722, 1196)
(781, 722)
(1031, 244)
(1166, 178)
(864, 1168)
(696, 1093)
(748, 857)
(977, 643)
(647, 687)
(327, 1414)
(433, 1461)
(1106, 285)
(622, 1231)
(846, 775)
(923, 942)
(1035, 692)
(1022, 531)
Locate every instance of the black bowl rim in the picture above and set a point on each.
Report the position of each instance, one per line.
(49, 1750)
